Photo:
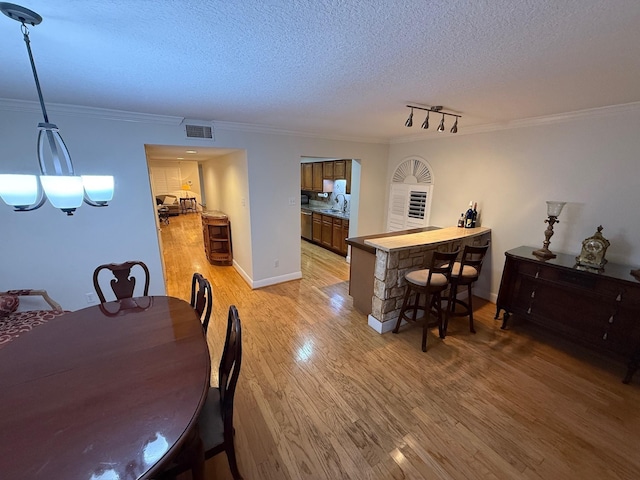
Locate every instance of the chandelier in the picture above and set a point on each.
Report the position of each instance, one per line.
(58, 182)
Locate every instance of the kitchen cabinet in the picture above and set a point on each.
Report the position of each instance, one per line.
(336, 234)
(317, 228)
(306, 176)
(340, 232)
(327, 170)
(330, 232)
(339, 169)
(327, 231)
(599, 310)
(317, 176)
(343, 237)
(312, 174)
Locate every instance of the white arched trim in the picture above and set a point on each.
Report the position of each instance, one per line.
(410, 195)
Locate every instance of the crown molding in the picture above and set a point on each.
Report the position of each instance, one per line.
(80, 111)
(523, 123)
(251, 128)
(121, 115)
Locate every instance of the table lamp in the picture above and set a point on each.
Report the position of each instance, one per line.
(553, 212)
(186, 187)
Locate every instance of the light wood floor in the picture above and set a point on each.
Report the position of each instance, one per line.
(322, 396)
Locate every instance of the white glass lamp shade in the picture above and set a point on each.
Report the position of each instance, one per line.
(19, 190)
(99, 188)
(554, 208)
(64, 192)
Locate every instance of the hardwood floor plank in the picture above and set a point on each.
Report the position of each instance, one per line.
(322, 396)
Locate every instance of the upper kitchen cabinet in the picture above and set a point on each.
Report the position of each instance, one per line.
(339, 169)
(306, 176)
(313, 174)
(327, 170)
(317, 176)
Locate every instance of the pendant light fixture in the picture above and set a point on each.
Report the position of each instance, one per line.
(436, 109)
(58, 181)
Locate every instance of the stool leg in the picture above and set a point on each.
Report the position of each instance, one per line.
(425, 325)
(451, 305)
(441, 321)
(471, 329)
(403, 309)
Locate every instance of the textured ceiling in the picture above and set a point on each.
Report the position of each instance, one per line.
(329, 67)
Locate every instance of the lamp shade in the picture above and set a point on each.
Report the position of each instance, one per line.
(99, 188)
(19, 190)
(554, 208)
(64, 192)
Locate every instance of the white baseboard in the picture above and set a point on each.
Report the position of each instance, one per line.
(267, 281)
(275, 280)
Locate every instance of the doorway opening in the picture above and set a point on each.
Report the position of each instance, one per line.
(329, 197)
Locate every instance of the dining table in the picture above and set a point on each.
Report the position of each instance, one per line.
(109, 392)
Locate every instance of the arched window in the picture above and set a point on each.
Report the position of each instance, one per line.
(410, 195)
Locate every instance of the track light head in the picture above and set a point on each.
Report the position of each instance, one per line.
(425, 124)
(441, 126)
(454, 129)
(409, 122)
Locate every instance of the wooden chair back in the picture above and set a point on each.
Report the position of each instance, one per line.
(473, 256)
(442, 263)
(123, 284)
(201, 298)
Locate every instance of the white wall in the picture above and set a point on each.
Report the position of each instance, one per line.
(226, 187)
(591, 161)
(46, 249)
(274, 177)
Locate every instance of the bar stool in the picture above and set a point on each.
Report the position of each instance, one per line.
(430, 282)
(465, 272)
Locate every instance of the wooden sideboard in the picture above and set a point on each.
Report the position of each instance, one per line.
(600, 310)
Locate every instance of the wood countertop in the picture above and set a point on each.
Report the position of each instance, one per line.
(432, 237)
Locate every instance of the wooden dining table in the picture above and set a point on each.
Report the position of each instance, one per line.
(109, 392)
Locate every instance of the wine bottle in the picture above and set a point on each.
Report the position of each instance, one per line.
(468, 217)
(475, 215)
(461, 221)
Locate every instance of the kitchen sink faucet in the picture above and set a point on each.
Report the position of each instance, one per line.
(344, 203)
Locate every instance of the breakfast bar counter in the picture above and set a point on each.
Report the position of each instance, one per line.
(379, 263)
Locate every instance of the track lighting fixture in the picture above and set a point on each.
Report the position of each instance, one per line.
(409, 122)
(425, 124)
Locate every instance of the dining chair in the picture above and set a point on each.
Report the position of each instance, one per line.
(464, 272)
(123, 284)
(201, 298)
(430, 283)
(215, 423)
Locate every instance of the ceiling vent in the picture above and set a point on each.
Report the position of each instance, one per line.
(199, 131)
